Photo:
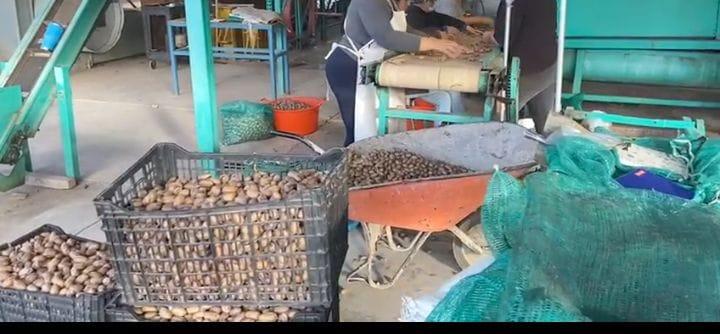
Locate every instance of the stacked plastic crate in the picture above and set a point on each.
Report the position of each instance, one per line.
(241, 260)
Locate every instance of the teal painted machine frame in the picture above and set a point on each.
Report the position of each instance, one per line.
(691, 129)
(665, 33)
(20, 122)
(385, 112)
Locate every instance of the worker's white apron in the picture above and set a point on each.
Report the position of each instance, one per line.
(366, 94)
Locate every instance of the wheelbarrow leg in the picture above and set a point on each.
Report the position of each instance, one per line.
(466, 240)
(394, 246)
(373, 233)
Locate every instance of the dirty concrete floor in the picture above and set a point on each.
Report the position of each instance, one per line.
(123, 108)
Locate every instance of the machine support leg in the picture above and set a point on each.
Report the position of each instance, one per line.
(202, 73)
(67, 122)
(578, 78)
(384, 104)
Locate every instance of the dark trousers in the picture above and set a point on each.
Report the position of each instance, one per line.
(537, 94)
(341, 72)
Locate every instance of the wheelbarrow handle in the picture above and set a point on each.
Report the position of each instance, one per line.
(303, 140)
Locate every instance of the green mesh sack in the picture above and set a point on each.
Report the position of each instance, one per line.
(707, 172)
(476, 298)
(583, 158)
(244, 121)
(587, 250)
(503, 209)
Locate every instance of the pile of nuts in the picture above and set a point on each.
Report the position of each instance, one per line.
(57, 264)
(474, 43)
(208, 192)
(216, 314)
(382, 166)
(288, 105)
(256, 255)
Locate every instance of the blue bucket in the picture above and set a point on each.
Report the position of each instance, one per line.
(52, 36)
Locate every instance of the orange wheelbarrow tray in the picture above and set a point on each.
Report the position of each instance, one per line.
(440, 203)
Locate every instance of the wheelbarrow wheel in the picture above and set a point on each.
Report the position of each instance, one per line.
(464, 255)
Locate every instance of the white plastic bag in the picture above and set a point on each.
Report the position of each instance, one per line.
(418, 309)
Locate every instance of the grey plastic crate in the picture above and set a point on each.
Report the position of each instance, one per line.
(160, 274)
(27, 306)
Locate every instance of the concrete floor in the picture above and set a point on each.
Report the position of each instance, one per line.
(123, 108)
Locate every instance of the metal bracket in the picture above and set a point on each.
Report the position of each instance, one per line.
(373, 235)
(689, 128)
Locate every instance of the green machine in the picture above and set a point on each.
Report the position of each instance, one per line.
(497, 84)
(673, 43)
(35, 76)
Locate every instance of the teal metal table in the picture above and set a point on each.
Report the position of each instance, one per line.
(276, 54)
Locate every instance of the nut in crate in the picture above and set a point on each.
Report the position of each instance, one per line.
(238, 255)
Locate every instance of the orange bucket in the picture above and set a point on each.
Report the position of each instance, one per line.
(300, 122)
(419, 105)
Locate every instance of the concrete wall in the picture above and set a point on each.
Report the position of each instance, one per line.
(9, 29)
(15, 17)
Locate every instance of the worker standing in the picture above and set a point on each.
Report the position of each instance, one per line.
(372, 27)
(533, 39)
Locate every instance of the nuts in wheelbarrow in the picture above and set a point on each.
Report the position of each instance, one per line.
(56, 264)
(224, 313)
(382, 166)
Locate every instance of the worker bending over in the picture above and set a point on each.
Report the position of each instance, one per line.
(533, 39)
(455, 9)
(422, 16)
(372, 27)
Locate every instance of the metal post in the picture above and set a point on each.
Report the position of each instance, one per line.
(172, 58)
(506, 39)
(202, 73)
(67, 122)
(579, 70)
(561, 55)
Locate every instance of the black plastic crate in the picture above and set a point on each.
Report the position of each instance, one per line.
(223, 243)
(28, 306)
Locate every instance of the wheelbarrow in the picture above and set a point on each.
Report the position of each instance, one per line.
(436, 204)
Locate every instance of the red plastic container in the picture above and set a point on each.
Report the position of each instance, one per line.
(419, 105)
(300, 122)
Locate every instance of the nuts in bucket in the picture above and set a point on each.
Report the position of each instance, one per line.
(288, 105)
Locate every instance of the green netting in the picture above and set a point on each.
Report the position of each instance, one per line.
(505, 202)
(585, 249)
(481, 299)
(707, 172)
(244, 121)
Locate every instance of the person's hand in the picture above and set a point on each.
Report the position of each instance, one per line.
(448, 48)
(472, 30)
(488, 36)
(452, 30)
(444, 35)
